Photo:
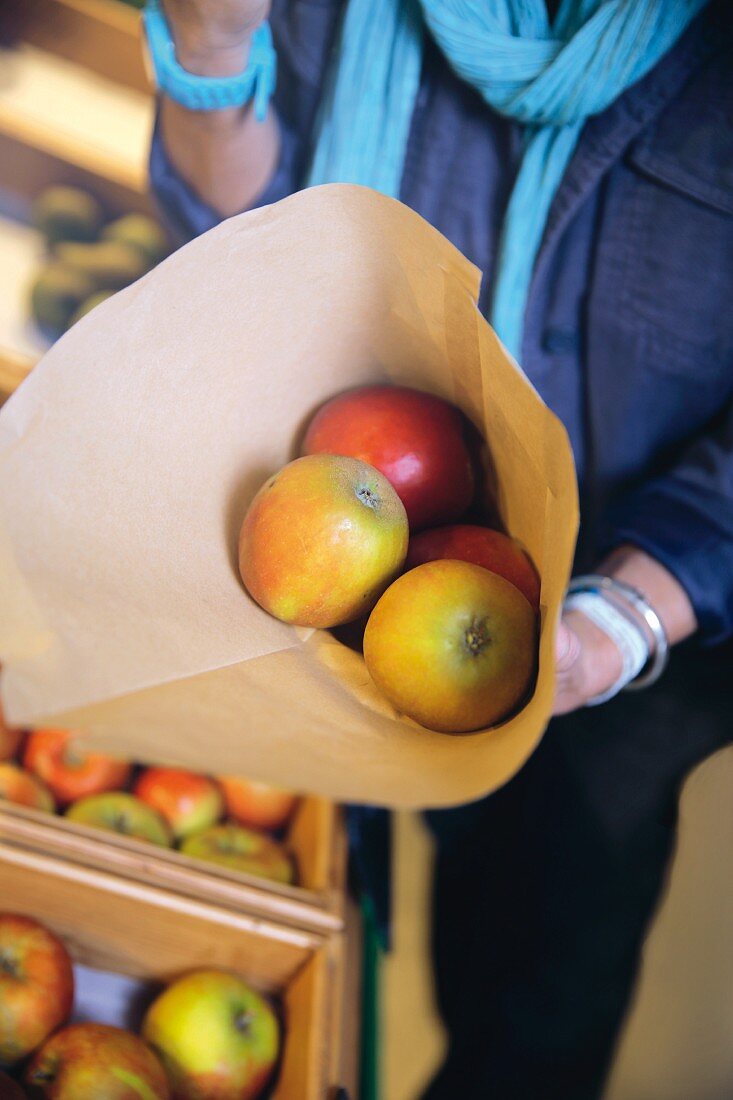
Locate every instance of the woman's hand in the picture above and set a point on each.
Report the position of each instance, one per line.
(588, 662)
(212, 37)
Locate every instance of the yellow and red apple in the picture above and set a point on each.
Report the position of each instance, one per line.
(215, 1036)
(97, 1062)
(452, 646)
(243, 850)
(256, 805)
(24, 789)
(189, 802)
(59, 758)
(36, 986)
(321, 541)
(123, 813)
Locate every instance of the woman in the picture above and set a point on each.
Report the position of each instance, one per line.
(582, 158)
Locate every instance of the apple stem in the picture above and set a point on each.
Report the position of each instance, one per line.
(8, 964)
(368, 496)
(477, 637)
(243, 1020)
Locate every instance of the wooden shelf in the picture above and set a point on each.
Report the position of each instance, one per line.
(56, 113)
(153, 936)
(103, 36)
(316, 838)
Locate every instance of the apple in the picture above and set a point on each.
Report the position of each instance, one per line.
(9, 741)
(258, 805)
(10, 1089)
(24, 789)
(188, 802)
(417, 440)
(242, 850)
(482, 546)
(322, 540)
(216, 1037)
(61, 761)
(119, 812)
(36, 985)
(452, 646)
(97, 1062)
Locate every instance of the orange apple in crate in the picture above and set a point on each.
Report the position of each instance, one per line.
(256, 805)
(59, 758)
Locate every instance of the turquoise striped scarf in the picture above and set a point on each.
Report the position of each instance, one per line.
(548, 76)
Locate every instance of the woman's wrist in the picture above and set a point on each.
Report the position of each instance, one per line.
(204, 48)
(198, 55)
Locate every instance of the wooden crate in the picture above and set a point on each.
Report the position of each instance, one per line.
(101, 35)
(153, 935)
(315, 838)
(76, 106)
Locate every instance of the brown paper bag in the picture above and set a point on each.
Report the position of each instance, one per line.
(129, 456)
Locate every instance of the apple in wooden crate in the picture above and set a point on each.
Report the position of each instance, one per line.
(257, 805)
(120, 812)
(24, 789)
(215, 1036)
(59, 758)
(242, 850)
(189, 802)
(96, 1062)
(36, 985)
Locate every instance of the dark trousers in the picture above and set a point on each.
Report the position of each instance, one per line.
(544, 890)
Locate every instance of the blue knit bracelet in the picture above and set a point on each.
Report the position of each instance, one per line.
(210, 93)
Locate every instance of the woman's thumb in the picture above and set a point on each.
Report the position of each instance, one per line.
(567, 648)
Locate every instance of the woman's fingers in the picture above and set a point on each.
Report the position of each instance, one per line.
(567, 648)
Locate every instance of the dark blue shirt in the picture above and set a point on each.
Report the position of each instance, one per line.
(629, 323)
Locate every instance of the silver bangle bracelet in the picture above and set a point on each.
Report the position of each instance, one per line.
(619, 592)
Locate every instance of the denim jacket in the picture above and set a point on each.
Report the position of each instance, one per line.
(629, 323)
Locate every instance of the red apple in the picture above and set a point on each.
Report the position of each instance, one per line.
(258, 805)
(119, 812)
(322, 540)
(59, 758)
(241, 850)
(482, 546)
(452, 646)
(36, 985)
(97, 1062)
(24, 789)
(188, 802)
(416, 440)
(216, 1037)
